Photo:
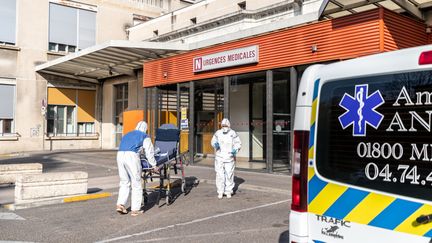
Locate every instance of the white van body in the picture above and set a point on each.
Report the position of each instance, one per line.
(369, 158)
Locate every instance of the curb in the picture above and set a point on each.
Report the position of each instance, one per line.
(87, 197)
(52, 201)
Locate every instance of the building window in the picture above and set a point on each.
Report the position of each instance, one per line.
(7, 22)
(242, 5)
(86, 128)
(61, 120)
(70, 112)
(71, 29)
(121, 104)
(139, 19)
(7, 109)
(173, 19)
(193, 20)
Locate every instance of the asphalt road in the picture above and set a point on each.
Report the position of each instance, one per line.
(258, 212)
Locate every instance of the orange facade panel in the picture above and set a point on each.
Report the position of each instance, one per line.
(86, 105)
(61, 96)
(342, 38)
(402, 32)
(131, 119)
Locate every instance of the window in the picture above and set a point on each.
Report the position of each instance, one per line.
(60, 120)
(121, 104)
(375, 132)
(7, 22)
(242, 5)
(86, 128)
(70, 112)
(155, 33)
(139, 19)
(7, 108)
(173, 19)
(193, 20)
(71, 29)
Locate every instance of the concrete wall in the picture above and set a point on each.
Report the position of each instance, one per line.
(209, 10)
(17, 63)
(135, 101)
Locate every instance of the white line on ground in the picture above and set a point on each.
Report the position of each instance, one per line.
(207, 234)
(253, 187)
(10, 216)
(193, 221)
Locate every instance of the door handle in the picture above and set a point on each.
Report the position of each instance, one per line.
(424, 219)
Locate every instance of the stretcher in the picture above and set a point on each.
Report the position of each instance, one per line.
(167, 158)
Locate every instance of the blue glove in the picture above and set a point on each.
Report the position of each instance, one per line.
(217, 146)
(234, 152)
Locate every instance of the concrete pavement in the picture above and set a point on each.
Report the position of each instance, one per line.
(258, 212)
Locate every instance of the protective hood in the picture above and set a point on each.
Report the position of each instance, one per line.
(225, 125)
(225, 122)
(141, 126)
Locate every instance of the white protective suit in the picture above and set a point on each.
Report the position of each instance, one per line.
(129, 165)
(226, 143)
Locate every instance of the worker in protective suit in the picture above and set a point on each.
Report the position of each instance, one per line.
(129, 167)
(226, 143)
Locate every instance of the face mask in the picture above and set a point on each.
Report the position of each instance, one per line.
(225, 129)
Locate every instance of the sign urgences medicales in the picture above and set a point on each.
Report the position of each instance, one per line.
(376, 132)
(230, 58)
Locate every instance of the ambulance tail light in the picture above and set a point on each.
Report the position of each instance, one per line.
(425, 58)
(299, 171)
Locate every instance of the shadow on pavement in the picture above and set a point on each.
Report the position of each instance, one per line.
(93, 190)
(238, 181)
(176, 192)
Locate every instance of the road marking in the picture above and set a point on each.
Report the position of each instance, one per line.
(252, 187)
(9, 241)
(10, 216)
(207, 234)
(193, 221)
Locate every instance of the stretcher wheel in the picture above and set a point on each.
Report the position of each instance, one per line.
(183, 186)
(167, 199)
(145, 198)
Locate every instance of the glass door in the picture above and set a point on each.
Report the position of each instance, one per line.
(281, 120)
(208, 114)
(257, 134)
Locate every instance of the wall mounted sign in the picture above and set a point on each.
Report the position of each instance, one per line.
(230, 58)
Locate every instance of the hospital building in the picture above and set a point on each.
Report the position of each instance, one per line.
(79, 74)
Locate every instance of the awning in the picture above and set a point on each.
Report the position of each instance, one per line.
(109, 59)
(337, 8)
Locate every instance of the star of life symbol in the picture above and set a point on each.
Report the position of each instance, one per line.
(360, 110)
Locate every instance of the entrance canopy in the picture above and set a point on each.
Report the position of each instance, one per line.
(109, 59)
(337, 8)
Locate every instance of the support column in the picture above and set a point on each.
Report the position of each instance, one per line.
(155, 110)
(226, 83)
(145, 102)
(293, 101)
(178, 106)
(269, 120)
(191, 121)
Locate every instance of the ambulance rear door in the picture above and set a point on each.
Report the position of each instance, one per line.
(370, 154)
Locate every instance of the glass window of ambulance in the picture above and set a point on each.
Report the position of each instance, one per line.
(375, 133)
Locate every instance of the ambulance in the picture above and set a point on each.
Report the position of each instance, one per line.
(362, 151)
